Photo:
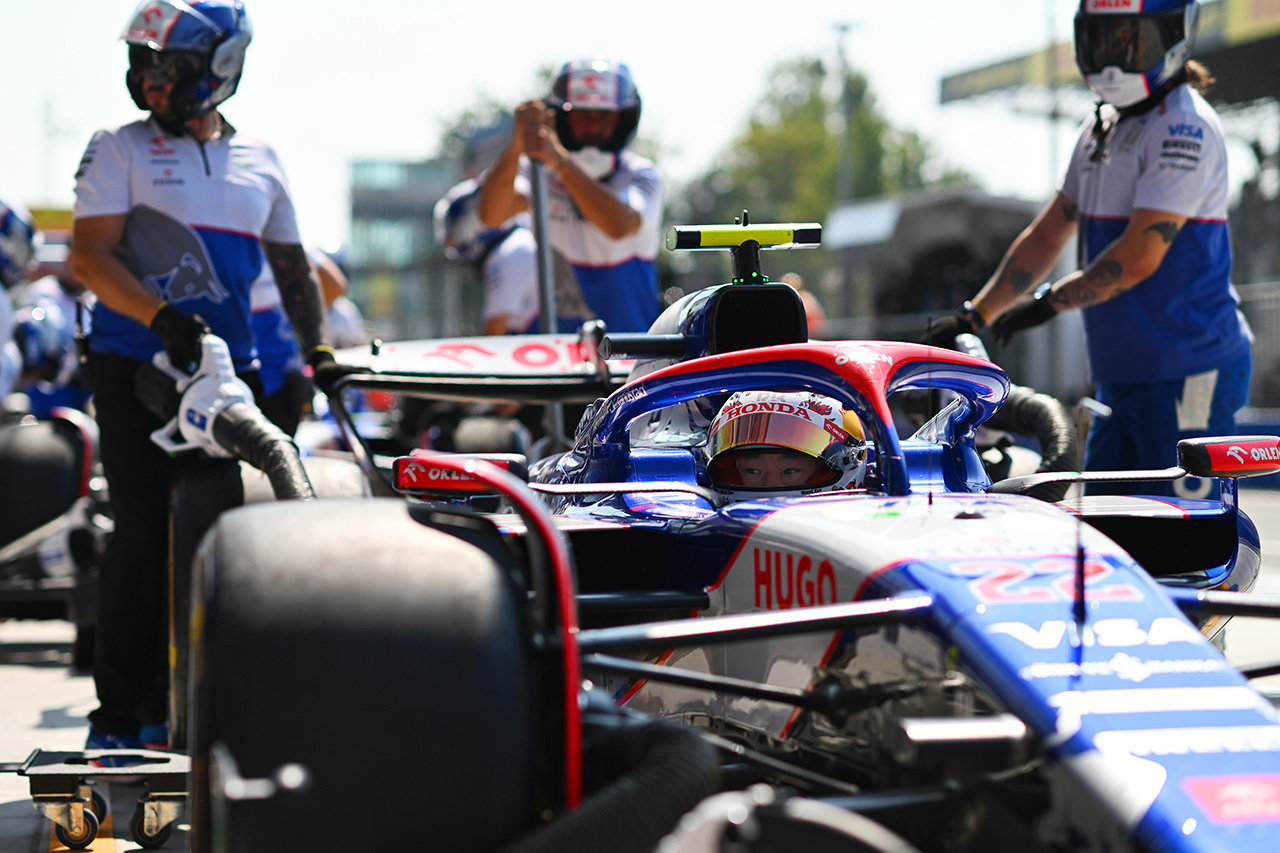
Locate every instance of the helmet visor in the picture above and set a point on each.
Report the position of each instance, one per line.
(1134, 44)
(765, 429)
(771, 468)
(169, 66)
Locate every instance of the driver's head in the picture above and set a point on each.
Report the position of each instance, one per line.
(769, 442)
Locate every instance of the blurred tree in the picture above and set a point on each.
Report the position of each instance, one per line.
(784, 166)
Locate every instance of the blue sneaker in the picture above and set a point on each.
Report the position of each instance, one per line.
(103, 740)
(155, 736)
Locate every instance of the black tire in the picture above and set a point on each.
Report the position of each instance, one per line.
(99, 805)
(331, 477)
(81, 840)
(388, 658)
(40, 468)
(200, 495)
(138, 830)
(490, 434)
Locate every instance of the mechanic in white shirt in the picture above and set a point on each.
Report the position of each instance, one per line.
(1146, 195)
(604, 201)
(174, 216)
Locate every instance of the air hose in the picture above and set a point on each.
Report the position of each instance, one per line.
(670, 770)
(1031, 413)
(243, 430)
(237, 428)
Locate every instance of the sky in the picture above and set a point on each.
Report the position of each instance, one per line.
(330, 83)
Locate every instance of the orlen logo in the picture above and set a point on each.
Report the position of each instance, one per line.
(1263, 454)
(1190, 131)
(1236, 453)
(417, 475)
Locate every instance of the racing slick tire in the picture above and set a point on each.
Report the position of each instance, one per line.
(201, 493)
(389, 659)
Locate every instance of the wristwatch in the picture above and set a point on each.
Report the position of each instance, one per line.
(970, 312)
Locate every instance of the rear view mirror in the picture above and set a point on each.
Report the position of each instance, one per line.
(1230, 456)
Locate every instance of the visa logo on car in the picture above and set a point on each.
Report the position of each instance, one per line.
(1109, 633)
(1190, 131)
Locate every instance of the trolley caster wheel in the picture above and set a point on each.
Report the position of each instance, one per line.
(81, 840)
(99, 807)
(138, 830)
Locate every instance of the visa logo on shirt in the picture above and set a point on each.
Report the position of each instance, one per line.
(1190, 131)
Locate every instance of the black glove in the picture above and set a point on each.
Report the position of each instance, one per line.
(942, 333)
(1023, 315)
(325, 370)
(181, 334)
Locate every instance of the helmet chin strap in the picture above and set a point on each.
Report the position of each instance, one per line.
(172, 126)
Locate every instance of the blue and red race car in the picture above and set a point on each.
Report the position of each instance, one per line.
(604, 649)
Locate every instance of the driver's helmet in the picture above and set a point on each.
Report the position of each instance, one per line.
(1130, 50)
(595, 84)
(458, 227)
(200, 45)
(19, 241)
(769, 443)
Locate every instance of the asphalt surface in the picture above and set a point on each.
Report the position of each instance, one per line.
(43, 703)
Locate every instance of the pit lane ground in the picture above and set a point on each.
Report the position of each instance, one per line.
(43, 702)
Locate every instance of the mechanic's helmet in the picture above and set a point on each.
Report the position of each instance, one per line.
(795, 443)
(459, 229)
(1130, 50)
(19, 241)
(199, 45)
(46, 341)
(595, 84)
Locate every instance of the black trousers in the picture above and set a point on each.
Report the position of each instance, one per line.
(130, 670)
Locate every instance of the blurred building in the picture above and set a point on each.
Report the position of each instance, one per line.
(400, 278)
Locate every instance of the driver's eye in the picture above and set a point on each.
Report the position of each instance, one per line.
(789, 471)
(752, 470)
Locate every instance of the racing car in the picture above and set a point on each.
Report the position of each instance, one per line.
(600, 650)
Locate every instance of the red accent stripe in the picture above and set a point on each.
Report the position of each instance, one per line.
(738, 551)
(535, 515)
(639, 685)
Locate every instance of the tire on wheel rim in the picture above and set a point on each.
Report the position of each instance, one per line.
(388, 658)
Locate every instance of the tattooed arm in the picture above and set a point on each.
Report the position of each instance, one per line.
(1132, 258)
(1029, 258)
(299, 292)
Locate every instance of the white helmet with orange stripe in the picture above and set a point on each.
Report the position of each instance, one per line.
(771, 443)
